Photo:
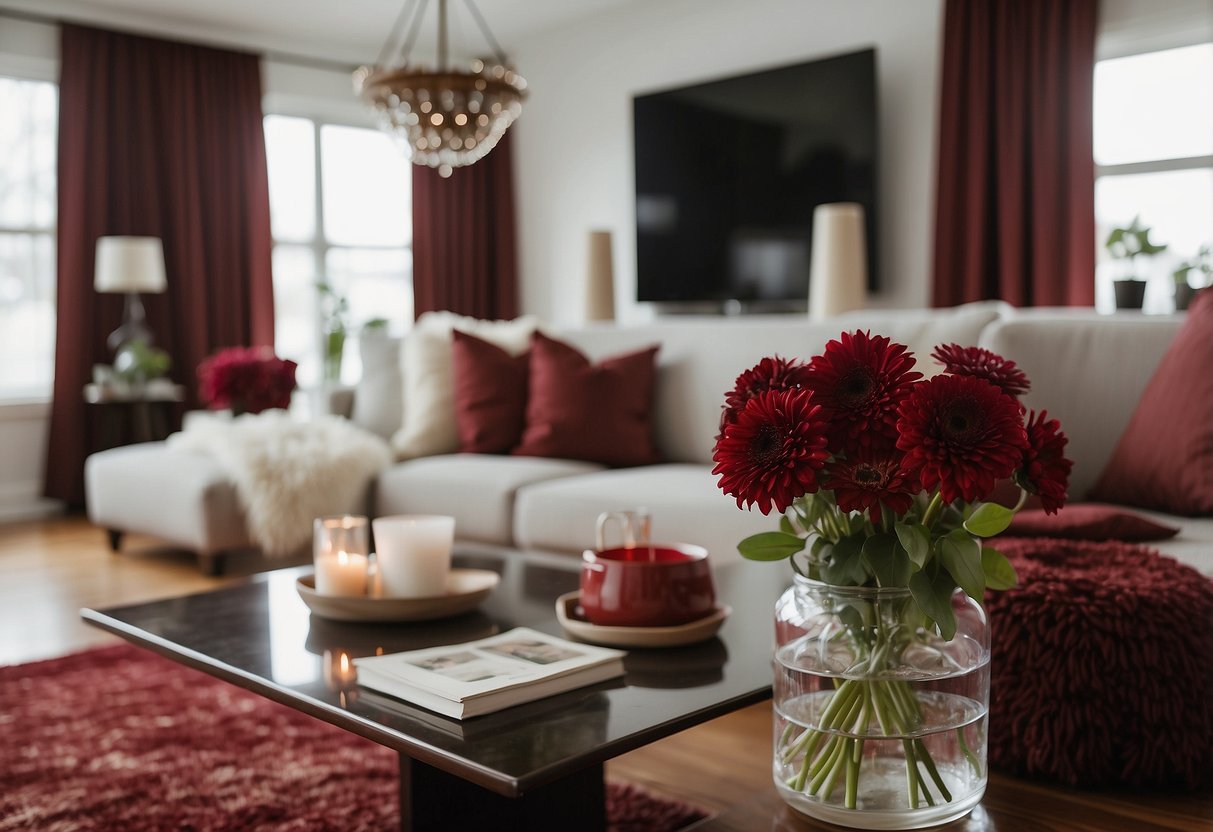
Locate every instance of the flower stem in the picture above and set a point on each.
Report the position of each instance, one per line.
(933, 509)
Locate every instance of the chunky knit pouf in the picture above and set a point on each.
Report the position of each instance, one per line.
(1102, 666)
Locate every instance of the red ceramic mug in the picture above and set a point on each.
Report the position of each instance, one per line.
(649, 585)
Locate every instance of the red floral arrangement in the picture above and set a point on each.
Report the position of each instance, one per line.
(886, 474)
(246, 380)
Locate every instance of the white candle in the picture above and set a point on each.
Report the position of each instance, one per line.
(341, 573)
(413, 554)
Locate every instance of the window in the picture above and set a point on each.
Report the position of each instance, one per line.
(341, 214)
(1153, 136)
(27, 238)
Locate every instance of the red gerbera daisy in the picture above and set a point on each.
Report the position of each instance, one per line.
(1045, 470)
(979, 363)
(859, 381)
(772, 373)
(770, 454)
(962, 433)
(868, 480)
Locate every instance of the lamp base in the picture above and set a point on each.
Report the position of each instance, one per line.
(133, 326)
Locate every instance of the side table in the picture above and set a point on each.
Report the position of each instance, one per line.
(127, 415)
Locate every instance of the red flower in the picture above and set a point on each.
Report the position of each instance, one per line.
(859, 381)
(1045, 470)
(979, 363)
(770, 454)
(769, 374)
(868, 480)
(246, 379)
(962, 433)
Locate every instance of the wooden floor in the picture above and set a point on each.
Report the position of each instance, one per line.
(49, 569)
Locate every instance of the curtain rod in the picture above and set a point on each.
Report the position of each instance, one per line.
(267, 54)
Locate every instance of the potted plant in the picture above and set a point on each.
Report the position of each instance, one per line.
(333, 309)
(1128, 243)
(1184, 290)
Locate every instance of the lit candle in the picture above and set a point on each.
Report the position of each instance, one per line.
(341, 573)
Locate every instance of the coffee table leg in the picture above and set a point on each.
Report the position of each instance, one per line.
(431, 799)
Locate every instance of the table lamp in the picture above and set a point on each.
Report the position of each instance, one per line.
(130, 265)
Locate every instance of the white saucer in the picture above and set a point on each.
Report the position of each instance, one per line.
(676, 636)
(466, 588)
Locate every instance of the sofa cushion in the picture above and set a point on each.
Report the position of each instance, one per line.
(429, 389)
(490, 395)
(1164, 459)
(1089, 521)
(477, 490)
(182, 497)
(1087, 370)
(598, 412)
(686, 505)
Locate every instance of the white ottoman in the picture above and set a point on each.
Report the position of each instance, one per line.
(181, 497)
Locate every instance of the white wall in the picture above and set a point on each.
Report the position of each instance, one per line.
(573, 147)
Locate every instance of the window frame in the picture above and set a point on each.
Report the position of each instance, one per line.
(18, 400)
(319, 245)
(1201, 162)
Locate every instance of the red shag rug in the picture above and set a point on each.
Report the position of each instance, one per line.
(1102, 663)
(121, 739)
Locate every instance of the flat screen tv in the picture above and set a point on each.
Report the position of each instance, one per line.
(728, 174)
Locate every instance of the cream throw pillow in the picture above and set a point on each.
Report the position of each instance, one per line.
(429, 390)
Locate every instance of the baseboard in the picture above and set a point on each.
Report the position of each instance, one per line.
(24, 501)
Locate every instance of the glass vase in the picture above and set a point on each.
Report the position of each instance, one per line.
(879, 723)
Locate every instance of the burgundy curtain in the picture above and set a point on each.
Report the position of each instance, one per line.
(1015, 214)
(464, 256)
(164, 140)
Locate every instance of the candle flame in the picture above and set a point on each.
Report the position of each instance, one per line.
(343, 557)
(345, 663)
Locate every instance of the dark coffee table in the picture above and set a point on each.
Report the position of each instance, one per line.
(535, 766)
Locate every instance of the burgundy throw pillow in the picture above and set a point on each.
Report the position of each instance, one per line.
(1164, 460)
(490, 395)
(593, 412)
(1089, 521)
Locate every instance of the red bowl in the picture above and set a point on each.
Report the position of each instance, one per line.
(662, 585)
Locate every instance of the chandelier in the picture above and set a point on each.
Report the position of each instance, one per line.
(448, 118)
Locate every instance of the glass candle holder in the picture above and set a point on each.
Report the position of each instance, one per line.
(341, 550)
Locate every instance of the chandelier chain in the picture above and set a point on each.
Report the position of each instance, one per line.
(498, 52)
(406, 49)
(394, 33)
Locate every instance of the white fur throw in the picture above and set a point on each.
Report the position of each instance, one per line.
(288, 473)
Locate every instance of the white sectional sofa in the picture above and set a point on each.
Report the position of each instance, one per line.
(1086, 369)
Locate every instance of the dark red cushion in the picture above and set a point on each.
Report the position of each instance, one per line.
(1089, 521)
(490, 395)
(1165, 458)
(593, 412)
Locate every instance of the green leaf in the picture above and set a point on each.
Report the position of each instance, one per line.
(933, 594)
(916, 540)
(769, 546)
(961, 556)
(989, 519)
(887, 560)
(785, 525)
(999, 572)
(845, 566)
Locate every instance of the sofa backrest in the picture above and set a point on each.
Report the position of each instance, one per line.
(701, 358)
(1086, 369)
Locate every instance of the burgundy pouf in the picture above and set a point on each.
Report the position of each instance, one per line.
(1102, 666)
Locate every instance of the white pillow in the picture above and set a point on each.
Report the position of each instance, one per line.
(429, 389)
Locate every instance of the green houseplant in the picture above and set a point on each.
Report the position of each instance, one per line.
(333, 310)
(1128, 243)
(1201, 263)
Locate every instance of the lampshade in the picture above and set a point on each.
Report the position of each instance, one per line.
(129, 264)
(600, 279)
(838, 272)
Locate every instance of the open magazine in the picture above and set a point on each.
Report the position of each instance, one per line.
(480, 677)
